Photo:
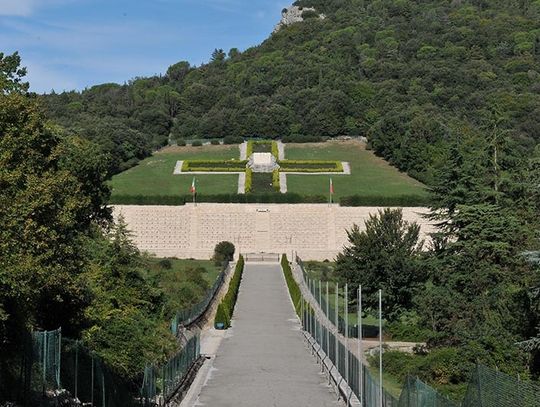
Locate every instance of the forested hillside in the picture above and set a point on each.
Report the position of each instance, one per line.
(413, 76)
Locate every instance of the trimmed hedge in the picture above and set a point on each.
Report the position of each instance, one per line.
(294, 289)
(226, 307)
(249, 180)
(275, 180)
(398, 200)
(214, 165)
(275, 150)
(355, 200)
(310, 166)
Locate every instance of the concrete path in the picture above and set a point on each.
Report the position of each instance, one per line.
(262, 361)
(242, 183)
(243, 151)
(282, 183)
(281, 150)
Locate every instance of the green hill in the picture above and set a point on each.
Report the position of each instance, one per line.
(412, 76)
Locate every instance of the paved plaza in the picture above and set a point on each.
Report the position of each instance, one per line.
(264, 362)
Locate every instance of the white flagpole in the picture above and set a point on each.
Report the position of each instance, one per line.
(327, 328)
(337, 325)
(380, 351)
(360, 346)
(347, 338)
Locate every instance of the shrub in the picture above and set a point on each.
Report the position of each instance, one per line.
(249, 180)
(310, 166)
(224, 251)
(221, 317)
(275, 150)
(229, 300)
(165, 264)
(440, 366)
(214, 165)
(215, 142)
(275, 180)
(171, 200)
(294, 289)
(181, 142)
(249, 148)
(398, 200)
(233, 140)
(196, 143)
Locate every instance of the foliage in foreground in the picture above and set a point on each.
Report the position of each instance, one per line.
(62, 263)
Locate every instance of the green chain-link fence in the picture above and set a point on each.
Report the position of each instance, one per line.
(490, 388)
(46, 349)
(487, 387)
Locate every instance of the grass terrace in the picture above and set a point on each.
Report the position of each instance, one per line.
(154, 175)
(370, 175)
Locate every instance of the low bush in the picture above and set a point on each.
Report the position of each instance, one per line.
(171, 200)
(275, 150)
(310, 166)
(275, 180)
(196, 143)
(214, 165)
(440, 366)
(229, 300)
(215, 142)
(249, 180)
(221, 317)
(181, 142)
(233, 140)
(398, 200)
(294, 289)
(223, 252)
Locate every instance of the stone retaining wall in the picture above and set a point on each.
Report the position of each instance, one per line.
(314, 231)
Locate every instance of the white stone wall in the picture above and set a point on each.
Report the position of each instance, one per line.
(315, 231)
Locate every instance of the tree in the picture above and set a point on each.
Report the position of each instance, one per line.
(384, 256)
(224, 251)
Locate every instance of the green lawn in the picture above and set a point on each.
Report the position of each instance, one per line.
(154, 175)
(370, 175)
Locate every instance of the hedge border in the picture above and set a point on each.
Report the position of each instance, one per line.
(225, 308)
(292, 285)
(333, 166)
(288, 198)
(249, 180)
(241, 166)
(276, 181)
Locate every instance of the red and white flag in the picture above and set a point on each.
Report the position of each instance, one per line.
(331, 187)
(193, 189)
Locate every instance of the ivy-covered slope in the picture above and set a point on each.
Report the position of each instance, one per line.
(411, 75)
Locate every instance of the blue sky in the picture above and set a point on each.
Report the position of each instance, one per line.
(73, 44)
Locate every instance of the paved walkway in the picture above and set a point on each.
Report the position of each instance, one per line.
(263, 362)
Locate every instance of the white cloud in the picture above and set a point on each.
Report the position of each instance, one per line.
(17, 7)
